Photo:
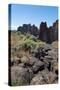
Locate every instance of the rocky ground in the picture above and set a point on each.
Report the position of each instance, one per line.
(40, 67)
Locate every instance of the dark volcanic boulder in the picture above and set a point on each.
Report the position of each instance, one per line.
(29, 61)
(44, 77)
(38, 66)
(43, 51)
(54, 66)
(46, 47)
(39, 78)
(50, 77)
(53, 53)
(20, 75)
(32, 61)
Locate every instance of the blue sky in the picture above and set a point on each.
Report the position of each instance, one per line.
(25, 14)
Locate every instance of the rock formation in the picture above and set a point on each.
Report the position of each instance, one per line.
(33, 70)
(50, 34)
(28, 28)
(44, 33)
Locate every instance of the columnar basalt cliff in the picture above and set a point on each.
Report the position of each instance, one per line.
(55, 30)
(48, 34)
(44, 33)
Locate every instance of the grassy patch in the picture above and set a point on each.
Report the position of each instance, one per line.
(18, 82)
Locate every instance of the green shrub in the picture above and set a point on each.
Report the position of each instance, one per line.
(28, 42)
(19, 82)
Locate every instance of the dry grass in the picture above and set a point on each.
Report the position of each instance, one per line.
(55, 44)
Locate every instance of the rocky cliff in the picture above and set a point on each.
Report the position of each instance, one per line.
(48, 34)
(44, 33)
(28, 28)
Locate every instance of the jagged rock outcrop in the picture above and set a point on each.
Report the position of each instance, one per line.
(50, 34)
(44, 33)
(28, 28)
(55, 31)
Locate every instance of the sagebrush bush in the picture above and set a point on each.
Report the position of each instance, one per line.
(27, 42)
